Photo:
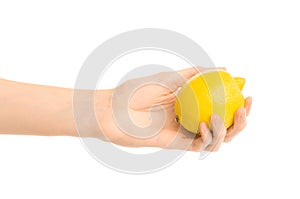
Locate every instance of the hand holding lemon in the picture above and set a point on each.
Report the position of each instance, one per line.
(208, 93)
(211, 104)
(205, 105)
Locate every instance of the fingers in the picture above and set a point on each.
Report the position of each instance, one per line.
(248, 104)
(190, 72)
(212, 140)
(239, 124)
(206, 135)
(218, 133)
(240, 120)
(174, 80)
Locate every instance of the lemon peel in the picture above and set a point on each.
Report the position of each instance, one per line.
(210, 92)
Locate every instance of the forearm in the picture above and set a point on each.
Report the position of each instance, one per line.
(35, 109)
(28, 109)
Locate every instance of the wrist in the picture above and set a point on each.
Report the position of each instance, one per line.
(89, 106)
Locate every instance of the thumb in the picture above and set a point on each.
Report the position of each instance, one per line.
(187, 73)
(177, 79)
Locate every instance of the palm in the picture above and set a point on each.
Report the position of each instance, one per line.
(151, 106)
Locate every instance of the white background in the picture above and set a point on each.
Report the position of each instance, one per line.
(46, 43)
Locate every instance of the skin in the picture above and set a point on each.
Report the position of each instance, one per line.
(28, 109)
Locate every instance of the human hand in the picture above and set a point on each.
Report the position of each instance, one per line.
(213, 139)
(142, 114)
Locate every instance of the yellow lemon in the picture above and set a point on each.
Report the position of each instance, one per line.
(207, 93)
